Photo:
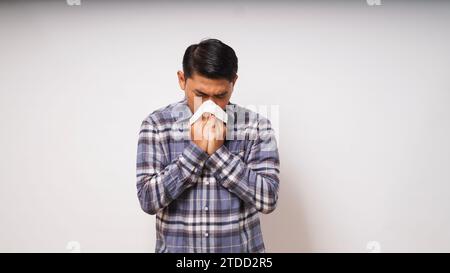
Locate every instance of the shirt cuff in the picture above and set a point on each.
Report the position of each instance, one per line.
(193, 158)
(226, 167)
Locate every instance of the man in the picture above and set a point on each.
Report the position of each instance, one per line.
(206, 182)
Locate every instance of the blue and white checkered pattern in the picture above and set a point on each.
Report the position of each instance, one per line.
(207, 203)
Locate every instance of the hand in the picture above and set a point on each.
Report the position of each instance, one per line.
(199, 134)
(208, 133)
(216, 135)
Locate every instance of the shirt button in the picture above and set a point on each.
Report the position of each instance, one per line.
(207, 183)
(206, 208)
(206, 234)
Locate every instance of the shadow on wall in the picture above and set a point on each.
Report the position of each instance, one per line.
(285, 229)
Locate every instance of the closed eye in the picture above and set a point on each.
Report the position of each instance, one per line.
(200, 94)
(221, 96)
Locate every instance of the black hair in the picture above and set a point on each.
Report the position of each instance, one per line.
(212, 59)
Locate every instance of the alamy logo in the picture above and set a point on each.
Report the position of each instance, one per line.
(373, 2)
(73, 2)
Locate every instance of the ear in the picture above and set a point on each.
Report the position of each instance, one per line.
(181, 80)
(235, 79)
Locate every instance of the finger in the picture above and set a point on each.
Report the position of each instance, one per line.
(208, 127)
(205, 116)
(213, 120)
(224, 133)
(197, 129)
(220, 130)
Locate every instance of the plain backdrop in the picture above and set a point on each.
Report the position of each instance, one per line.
(363, 94)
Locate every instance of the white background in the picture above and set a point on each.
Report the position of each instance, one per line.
(364, 122)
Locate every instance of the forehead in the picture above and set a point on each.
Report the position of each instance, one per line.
(206, 85)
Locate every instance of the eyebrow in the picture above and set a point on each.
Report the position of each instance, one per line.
(200, 92)
(216, 95)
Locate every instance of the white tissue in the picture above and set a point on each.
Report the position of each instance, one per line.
(209, 107)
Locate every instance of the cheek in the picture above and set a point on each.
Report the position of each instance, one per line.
(222, 103)
(194, 102)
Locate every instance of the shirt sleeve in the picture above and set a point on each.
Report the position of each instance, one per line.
(159, 182)
(255, 181)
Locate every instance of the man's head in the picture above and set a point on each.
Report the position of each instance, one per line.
(209, 73)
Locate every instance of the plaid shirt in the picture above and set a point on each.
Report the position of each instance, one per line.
(207, 203)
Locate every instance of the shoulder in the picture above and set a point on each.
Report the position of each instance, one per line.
(164, 116)
(244, 117)
(247, 123)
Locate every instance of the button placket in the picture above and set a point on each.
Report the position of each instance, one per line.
(205, 210)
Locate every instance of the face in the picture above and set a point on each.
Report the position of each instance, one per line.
(199, 89)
